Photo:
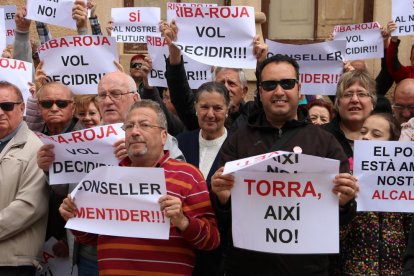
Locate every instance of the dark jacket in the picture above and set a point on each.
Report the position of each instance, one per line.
(258, 138)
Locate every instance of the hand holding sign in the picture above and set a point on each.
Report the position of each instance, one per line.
(22, 24)
(346, 187)
(260, 49)
(391, 27)
(221, 185)
(172, 206)
(45, 157)
(80, 14)
(67, 208)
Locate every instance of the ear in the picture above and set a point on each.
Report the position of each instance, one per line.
(299, 90)
(164, 135)
(245, 90)
(136, 97)
(22, 107)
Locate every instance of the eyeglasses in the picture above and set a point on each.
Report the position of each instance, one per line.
(360, 95)
(114, 95)
(402, 107)
(59, 103)
(136, 65)
(271, 85)
(141, 125)
(8, 106)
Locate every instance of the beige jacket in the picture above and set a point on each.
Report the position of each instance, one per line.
(23, 201)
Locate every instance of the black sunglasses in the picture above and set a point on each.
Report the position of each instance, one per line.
(8, 106)
(59, 103)
(271, 85)
(136, 65)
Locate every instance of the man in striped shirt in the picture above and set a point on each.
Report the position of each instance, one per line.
(187, 204)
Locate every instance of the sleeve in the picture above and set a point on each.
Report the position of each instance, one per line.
(85, 238)
(395, 69)
(202, 232)
(31, 200)
(33, 118)
(408, 262)
(22, 48)
(175, 126)
(43, 32)
(384, 80)
(95, 26)
(182, 96)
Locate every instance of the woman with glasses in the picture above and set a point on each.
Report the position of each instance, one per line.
(354, 101)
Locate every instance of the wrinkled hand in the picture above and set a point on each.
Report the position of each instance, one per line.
(173, 209)
(40, 76)
(22, 24)
(168, 31)
(260, 49)
(221, 185)
(45, 157)
(80, 14)
(347, 66)
(346, 187)
(61, 249)
(67, 208)
(120, 150)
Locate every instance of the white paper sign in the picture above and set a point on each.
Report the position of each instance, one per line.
(2, 31)
(17, 72)
(284, 213)
(283, 162)
(363, 41)
(56, 12)
(9, 13)
(79, 61)
(121, 201)
(403, 16)
(385, 172)
(220, 36)
(132, 25)
(173, 7)
(197, 73)
(53, 265)
(320, 64)
(79, 152)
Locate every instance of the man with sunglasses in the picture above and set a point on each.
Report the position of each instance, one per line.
(23, 189)
(277, 126)
(136, 72)
(403, 106)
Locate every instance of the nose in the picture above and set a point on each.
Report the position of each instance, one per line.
(210, 112)
(366, 136)
(354, 98)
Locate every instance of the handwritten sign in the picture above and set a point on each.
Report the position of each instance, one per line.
(72, 60)
(385, 172)
(320, 64)
(55, 12)
(79, 152)
(363, 41)
(132, 25)
(220, 36)
(121, 201)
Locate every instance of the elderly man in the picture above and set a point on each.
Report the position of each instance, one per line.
(403, 106)
(276, 127)
(193, 224)
(23, 190)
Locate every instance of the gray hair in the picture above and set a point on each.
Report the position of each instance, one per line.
(161, 118)
(242, 75)
(54, 84)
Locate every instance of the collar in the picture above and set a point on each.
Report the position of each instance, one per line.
(68, 128)
(9, 136)
(126, 162)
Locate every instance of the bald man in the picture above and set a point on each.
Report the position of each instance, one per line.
(403, 106)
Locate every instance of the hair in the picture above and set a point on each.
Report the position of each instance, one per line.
(363, 78)
(83, 101)
(322, 103)
(132, 86)
(278, 58)
(161, 118)
(211, 87)
(17, 91)
(395, 128)
(242, 75)
(51, 84)
(139, 56)
(407, 81)
(383, 105)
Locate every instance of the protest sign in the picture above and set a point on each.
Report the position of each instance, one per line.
(79, 152)
(385, 172)
(132, 25)
(173, 7)
(72, 60)
(403, 16)
(10, 23)
(2, 31)
(17, 72)
(197, 73)
(121, 201)
(53, 265)
(321, 64)
(283, 162)
(284, 213)
(55, 12)
(363, 41)
(220, 36)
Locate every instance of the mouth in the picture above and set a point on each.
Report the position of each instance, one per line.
(278, 101)
(355, 108)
